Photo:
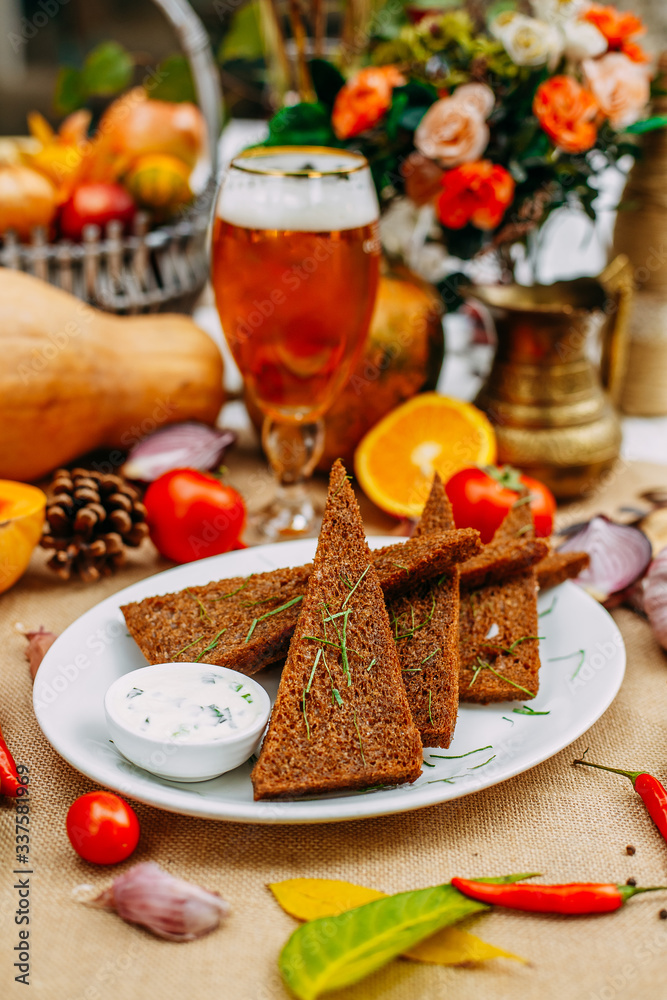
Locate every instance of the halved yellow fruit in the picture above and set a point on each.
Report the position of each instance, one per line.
(21, 522)
(430, 433)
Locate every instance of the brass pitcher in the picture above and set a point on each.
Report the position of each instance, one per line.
(551, 405)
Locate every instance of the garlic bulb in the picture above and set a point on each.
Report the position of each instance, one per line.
(655, 596)
(169, 907)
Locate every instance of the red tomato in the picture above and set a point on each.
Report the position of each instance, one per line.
(95, 203)
(102, 828)
(192, 515)
(481, 498)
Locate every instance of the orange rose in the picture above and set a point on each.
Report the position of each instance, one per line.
(619, 28)
(566, 110)
(364, 100)
(478, 192)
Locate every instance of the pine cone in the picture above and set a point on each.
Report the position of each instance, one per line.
(91, 517)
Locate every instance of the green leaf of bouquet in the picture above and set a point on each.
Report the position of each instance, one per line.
(647, 125)
(69, 94)
(301, 125)
(243, 39)
(107, 69)
(174, 80)
(327, 81)
(333, 952)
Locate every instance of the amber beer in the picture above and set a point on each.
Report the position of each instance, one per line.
(295, 294)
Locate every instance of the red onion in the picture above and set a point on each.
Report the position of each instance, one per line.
(619, 555)
(655, 597)
(179, 446)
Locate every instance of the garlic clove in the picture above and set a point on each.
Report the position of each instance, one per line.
(168, 906)
(39, 643)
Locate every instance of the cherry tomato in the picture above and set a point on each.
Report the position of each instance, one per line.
(481, 498)
(192, 515)
(102, 828)
(95, 203)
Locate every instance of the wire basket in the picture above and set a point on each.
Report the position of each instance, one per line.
(158, 270)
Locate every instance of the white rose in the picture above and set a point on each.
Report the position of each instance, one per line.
(529, 42)
(558, 11)
(621, 87)
(582, 40)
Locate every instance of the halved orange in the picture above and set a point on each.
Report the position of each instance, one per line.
(396, 459)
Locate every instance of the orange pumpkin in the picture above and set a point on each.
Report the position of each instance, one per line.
(21, 523)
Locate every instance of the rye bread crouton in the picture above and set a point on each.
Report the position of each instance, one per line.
(247, 623)
(341, 720)
(498, 629)
(559, 566)
(425, 621)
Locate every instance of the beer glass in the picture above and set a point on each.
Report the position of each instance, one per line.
(295, 262)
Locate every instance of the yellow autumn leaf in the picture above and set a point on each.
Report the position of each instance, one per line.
(310, 898)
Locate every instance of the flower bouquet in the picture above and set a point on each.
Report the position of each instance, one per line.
(478, 132)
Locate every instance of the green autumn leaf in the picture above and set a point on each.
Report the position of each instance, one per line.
(107, 69)
(69, 93)
(243, 39)
(327, 81)
(301, 125)
(174, 81)
(333, 952)
(647, 125)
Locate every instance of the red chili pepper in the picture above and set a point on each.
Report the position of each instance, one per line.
(575, 898)
(9, 777)
(653, 793)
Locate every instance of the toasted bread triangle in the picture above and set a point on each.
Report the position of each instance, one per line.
(429, 653)
(341, 718)
(499, 649)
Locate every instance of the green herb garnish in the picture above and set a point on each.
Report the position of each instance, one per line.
(510, 649)
(430, 697)
(458, 756)
(484, 665)
(581, 653)
(431, 655)
(548, 611)
(211, 645)
(276, 611)
(427, 763)
(356, 585)
(475, 766)
(361, 745)
(193, 643)
(415, 628)
(203, 613)
(306, 691)
(527, 710)
(232, 592)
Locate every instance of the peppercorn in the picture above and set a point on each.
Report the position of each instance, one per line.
(631, 881)
(663, 914)
(630, 850)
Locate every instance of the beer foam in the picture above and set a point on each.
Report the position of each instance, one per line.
(256, 198)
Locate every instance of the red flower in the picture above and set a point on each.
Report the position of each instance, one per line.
(566, 110)
(364, 100)
(478, 192)
(619, 28)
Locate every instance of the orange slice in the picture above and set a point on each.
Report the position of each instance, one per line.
(396, 459)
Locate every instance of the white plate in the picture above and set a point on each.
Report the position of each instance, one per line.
(96, 649)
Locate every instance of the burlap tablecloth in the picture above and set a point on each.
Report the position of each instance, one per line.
(568, 823)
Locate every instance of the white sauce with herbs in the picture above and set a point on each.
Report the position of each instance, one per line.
(193, 707)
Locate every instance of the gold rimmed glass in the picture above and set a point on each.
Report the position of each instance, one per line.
(295, 272)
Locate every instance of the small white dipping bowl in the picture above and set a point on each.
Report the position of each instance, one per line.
(178, 759)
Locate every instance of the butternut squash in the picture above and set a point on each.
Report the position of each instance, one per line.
(73, 379)
(21, 523)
